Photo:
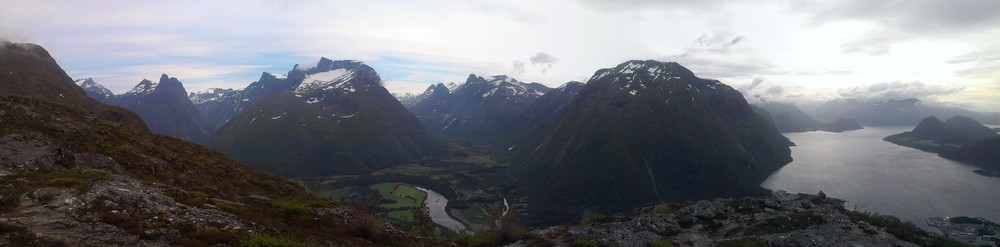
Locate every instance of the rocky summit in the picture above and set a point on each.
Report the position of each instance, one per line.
(781, 219)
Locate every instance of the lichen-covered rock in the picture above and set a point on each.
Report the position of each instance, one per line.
(779, 220)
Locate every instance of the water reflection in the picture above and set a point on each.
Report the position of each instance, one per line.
(879, 176)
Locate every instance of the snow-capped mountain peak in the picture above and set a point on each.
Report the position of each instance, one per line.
(93, 89)
(144, 87)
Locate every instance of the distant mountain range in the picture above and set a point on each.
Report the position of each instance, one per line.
(332, 119)
(901, 112)
(217, 106)
(162, 104)
(642, 132)
(789, 118)
(481, 108)
(76, 172)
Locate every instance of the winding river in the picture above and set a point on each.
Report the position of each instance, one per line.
(437, 203)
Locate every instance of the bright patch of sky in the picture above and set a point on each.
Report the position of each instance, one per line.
(939, 50)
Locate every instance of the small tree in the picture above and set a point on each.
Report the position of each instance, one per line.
(504, 225)
(422, 221)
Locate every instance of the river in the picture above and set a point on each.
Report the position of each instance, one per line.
(436, 204)
(878, 176)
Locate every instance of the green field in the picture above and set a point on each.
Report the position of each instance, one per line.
(405, 216)
(477, 213)
(404, 197)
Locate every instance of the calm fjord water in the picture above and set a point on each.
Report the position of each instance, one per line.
(875, 175)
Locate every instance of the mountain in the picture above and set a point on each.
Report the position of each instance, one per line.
(28, 70)
(648, 131)
(217, 106)
(959, 138)
(435, 96)
(789, 118)
(481, 108)
(542, 116)
(95, 91)
(904, 112)
(407, 99)
(332, 119)
(74, 175)
(538, 87)
(971, 128)
(933, 135)
(166, 108)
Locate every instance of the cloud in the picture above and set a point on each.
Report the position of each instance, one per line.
(894, 22)
(715, 43)
(544, 59)
(518, 67)
(897, 90)
(758, 91)
(927, 16)
(756, 82)
(719, 57)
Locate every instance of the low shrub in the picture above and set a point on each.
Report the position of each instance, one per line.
(586, 242)
(661, 243)
(743, 242)
(265, 240)
(76, 183)
(598, 218)
(291, 209)
(685, 221)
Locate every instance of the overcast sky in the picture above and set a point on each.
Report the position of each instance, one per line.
(940, 51)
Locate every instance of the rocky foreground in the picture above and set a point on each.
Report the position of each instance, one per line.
(782, 219)
(70, 179)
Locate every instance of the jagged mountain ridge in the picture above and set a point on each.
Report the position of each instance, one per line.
(334, 118)
(166, 108)
(219, 105)
(72, 176)
(481, 108)
(95, 91)
(162, 104)
(649, 131)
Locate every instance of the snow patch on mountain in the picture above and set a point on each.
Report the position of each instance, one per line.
(334, 79)
(278, 76)
(144, 87)
(211, 95)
